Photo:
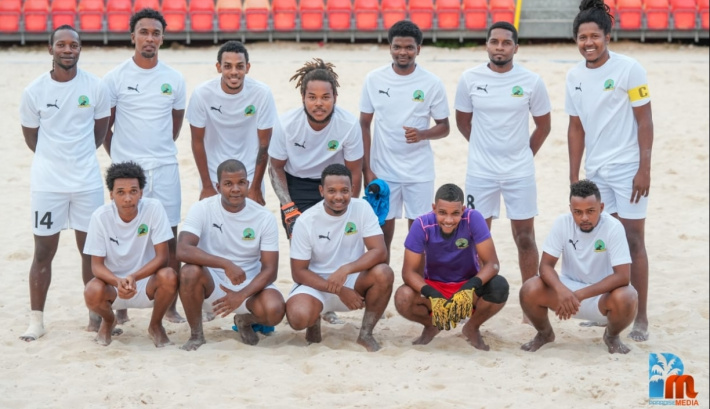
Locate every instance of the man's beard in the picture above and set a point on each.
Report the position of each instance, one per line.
(316, 121)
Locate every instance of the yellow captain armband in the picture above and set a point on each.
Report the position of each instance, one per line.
(639, 93)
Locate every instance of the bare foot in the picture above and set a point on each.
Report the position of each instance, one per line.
(158, 335)
(332, 318)
(193, 343)
(94, 322)
(313, 335)
(473, 336)
(173, 316)
(639, 333)
(537, 342)
(207, 316)
(615, 345)
(122, 317)
(103, 337)
(368, 341)
(428, 333)
(246, 332)
(592, 324)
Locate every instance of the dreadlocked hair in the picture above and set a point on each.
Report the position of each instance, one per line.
(317, 70)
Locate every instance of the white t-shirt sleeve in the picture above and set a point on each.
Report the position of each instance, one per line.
(365, 103)
(619, 250)
(439, 107)
(194, 220)
(554, 243)
(102, 108)
(353, 148)
(637, 86)
(110, 82)
(29, 114)
(196, 114)
(161, 229)
(270, 237)
(180, 101)
(277, 146)
(269, 115)
(463, 102)
(540, 101)
(370, 222)
(95, 244)
(569, 104)
(301, 246)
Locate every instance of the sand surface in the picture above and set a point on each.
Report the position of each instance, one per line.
(67, 369)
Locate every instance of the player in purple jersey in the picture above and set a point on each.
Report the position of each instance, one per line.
(458, 278)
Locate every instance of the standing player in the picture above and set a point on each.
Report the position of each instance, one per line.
(493, 104)
(148, 104)
(337, 260)
(127, 242)
(64, 115)
(230, 247)
(308, 139)
(402, 97)
(231, 117)
(609, 109)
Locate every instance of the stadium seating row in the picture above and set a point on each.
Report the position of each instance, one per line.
(660, 14)
(258, 15)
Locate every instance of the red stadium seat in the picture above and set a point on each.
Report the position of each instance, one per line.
(229, 15)
(657, 14)
(475, 14)
(201, 15)
(311, 14)
(284, 14)
(257, 14)
(502, 10)
(366, 14)
(10, 12)
(118, 15)
(91, 15)
(146, 4)
(339, 14)
(448, 14)
(175, 12)
(421, 12)
(684, 14)
(629, 14)
(704, 11)
(392, 12)
(36, 13)
(63, 12)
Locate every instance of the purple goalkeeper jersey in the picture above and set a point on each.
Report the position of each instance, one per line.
(453, 259)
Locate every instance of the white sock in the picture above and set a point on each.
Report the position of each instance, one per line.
(36, 328)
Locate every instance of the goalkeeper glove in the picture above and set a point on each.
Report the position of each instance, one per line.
(439, 307)
(463, 300)
(291, 213)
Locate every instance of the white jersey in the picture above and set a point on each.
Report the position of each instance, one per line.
(239, 237)
(308, 152)
(65, 113)
(127, 247)
(231, 121)
(603, 99)
(501, 103)
(144, 102)
(331, 241)
(588, 257)
(397, 101)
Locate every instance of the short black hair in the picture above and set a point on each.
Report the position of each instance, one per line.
(505, 26)
(335, 169)
(405, 28)
(232, 46)
(449, 193)
(125, 170)
(147, 13)
(229, 166)
(63, 27)
(584, 188)
(593, 11)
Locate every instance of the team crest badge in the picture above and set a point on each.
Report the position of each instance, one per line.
(142, 230)
(418, 96)
(517, 91)
(350, 228)
(248, 234)
(333, 145)
(250, 110)
(166, 89)
(84, 102)
(609, 85)
(599, 246)
(461, 243)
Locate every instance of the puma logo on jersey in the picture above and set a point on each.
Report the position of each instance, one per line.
(579, 88)
(114, 240)
(327, 236)
(573, 243)
(217, 109)
(134, 89)
(484, 89)
(385, 92)
(53, 105)
(218, 226)
(299, 145)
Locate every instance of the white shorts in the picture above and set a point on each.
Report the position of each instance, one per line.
(163, 184)
(519, 195)
(416, 197)
(589, 308)
(140, 300)
(218, 293)
(615, 182)
(330, 302)
(52, 212)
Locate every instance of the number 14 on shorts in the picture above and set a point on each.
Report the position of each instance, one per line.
(46, 220)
